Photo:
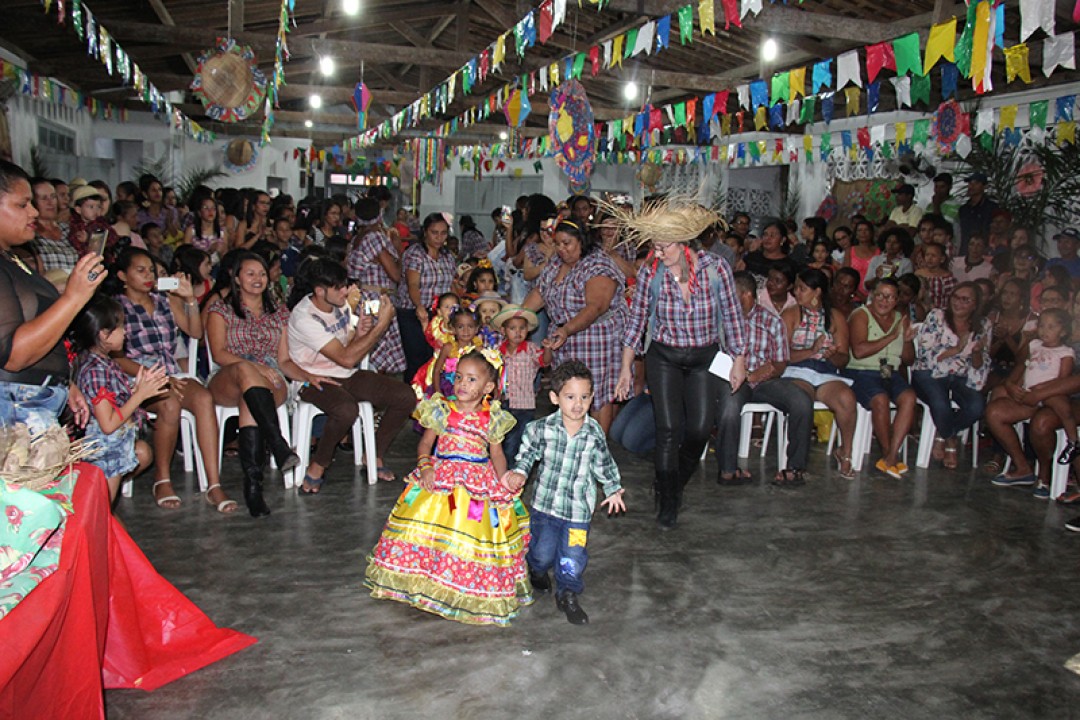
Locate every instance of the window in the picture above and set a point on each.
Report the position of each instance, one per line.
(55, 138)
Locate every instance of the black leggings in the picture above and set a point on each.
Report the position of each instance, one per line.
(413, 342)
(684, 404)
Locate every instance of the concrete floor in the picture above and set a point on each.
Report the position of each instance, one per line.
(939, 596)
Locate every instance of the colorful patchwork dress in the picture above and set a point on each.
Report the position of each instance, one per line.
(458, 551)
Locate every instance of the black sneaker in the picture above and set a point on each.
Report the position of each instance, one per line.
(540, 582)
(568, 603)
(1073, 524)
(1069, 453)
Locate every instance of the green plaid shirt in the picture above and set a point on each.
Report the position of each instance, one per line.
(570, 467)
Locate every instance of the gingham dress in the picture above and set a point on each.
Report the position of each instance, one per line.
(388, 355)
(599, 346)
(436, 276)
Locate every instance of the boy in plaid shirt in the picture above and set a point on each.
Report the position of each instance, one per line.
(573, 456)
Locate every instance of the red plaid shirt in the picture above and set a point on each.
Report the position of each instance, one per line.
(766, 339)
(254, 339)
(694, 324)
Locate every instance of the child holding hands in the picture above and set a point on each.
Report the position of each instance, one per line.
(454, 544)
(573, 455)
(98, 331)
(521, 361)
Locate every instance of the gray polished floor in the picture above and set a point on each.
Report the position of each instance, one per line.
(938, 596)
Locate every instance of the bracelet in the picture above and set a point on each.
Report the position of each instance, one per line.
(424, 462)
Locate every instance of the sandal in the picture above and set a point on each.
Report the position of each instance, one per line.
(790, 478)
(938, 450)
(992, 467)
(1072, 498)
(949, 458)
(226, 506)
(311, 486)
(842, 462)
(169, 502)
(385, 474)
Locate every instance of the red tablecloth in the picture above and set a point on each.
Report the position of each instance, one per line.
(105, 617)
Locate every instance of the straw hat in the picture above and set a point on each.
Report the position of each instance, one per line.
(83, 192)
(671, 220)
(489, 296)
(515, 311)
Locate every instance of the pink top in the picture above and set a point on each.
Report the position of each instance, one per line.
(861, 266)
(1044, 363)
(519, 375)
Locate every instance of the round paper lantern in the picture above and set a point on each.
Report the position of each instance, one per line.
(573, 135)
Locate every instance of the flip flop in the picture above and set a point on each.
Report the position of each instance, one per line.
(314, 485)
(385, 474)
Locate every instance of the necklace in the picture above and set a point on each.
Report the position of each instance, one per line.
(18, 261)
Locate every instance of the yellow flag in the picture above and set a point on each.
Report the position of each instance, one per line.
(707, 17)
(901, 132)
(617, 51)
(1066, 132)
(1016, 63)
(978, 43)
(760, 123)
(797, 82)
(553, 73)
(853, 95)
(808, 143)
(940, 44)
(499, 54)
(725, 124)
(1008, 117)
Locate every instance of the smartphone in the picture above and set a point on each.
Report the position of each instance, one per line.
(165, 284)
(371, 307)
(97, 242)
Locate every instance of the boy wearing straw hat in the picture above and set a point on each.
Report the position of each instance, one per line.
(522, 360)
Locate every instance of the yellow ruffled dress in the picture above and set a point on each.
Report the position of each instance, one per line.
(458, 551)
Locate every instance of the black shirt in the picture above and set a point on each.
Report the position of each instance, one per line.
(25, 295)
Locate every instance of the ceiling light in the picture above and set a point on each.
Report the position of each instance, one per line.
(503, 135)
(315, 101)
(769, 50)
(630, 90)
(350, 7)
(326, 65)
(308, 123)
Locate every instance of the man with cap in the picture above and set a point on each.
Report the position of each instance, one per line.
(976, 213)
(1068, 242)
(906, 214)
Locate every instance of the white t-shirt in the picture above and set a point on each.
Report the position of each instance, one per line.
(310, 329)
(910, 218)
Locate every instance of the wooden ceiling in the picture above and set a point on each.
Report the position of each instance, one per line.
(409, 46)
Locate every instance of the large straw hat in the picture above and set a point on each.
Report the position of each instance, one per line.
(83, 192)
(515, 311)
(670, 220)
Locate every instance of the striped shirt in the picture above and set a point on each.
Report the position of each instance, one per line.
(519, 374)
(697, 323)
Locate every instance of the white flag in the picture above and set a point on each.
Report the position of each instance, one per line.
(877, 135)
(984, 121)
(1059, 50)
(645, 38)
(1035, 14)
(847, 70)
(902, 85)
(744, 97)
(750, 6)
(558, 14)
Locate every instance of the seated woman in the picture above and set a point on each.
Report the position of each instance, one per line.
(818, 337)
(776, 295)
(881, 340)
(951, 365)
(151, 321)
(246, 338)
(896, 247)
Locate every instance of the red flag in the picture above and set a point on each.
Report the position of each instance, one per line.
(721, 102)
(691, 111)
(543, 32)
(731, 14)
(594, 58)
(656, 119)
(877, 57)
(864, 137)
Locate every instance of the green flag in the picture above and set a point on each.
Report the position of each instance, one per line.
(1037, 113)
(921, 133)
(964, 44)
(920, 89)
(908, 58)
(781, 87)
(686, 24)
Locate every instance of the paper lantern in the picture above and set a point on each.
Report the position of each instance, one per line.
(228, 82)
(517, 108)
(361, 101)
(573, 134)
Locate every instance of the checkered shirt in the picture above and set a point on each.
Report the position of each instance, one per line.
(100, 379)
(570, 467)
(435, 275)
(693, 324)
(597, 345)
(388, 356)
(474, 245)
(55, 254)
(766, 339)
(150, 338)
(519, 374)
(254, 339)
(939, 288)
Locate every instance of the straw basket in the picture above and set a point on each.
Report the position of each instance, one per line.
(34, 462)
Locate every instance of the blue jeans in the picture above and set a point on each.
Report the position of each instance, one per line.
(36, 406)
(634, 427)
(551, 546)
(512, 441)
(937, 394)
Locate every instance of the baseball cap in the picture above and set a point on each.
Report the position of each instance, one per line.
(1071, 233)
(978, 177)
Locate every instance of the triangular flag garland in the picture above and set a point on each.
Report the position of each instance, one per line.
(101, 45)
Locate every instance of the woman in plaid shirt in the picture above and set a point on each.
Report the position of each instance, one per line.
(690, 311)
(428, 270)
(375, 265)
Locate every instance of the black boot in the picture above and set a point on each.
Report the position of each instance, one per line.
(260, 402)
(567, 602)
(540, 581)
(668, 492)
(252, 457)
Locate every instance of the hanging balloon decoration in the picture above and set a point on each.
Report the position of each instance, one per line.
(573, 134)
(228, 82)
(361, 101)
(517, 108)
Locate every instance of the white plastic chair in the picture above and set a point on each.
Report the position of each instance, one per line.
(224, 413)
(1059, 474)
(864, 437)
(926, 438)
(363, 434)
(746, 428)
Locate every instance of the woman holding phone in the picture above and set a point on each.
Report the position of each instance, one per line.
(153, 314)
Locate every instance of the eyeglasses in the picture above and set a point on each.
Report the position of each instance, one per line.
(963, 298)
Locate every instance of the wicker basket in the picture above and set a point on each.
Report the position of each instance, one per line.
(34, 462)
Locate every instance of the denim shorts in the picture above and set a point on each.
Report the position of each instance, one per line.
(869, 383)
(36, 406)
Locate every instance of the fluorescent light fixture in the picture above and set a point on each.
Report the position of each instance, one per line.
(769, 50)
(315, 101)
(350, 7)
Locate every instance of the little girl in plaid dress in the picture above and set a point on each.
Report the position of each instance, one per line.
(370, 256)
(97, 331)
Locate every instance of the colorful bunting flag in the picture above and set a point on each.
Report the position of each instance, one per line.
(902, 88)
(878, 57)
(908, 58)
(847, 70)
(686, 24)
(663, 32)
(940, 44)
(731, 14)
(1035, 14)
(1037, 113)
(950, 78)
(852, 97)
(1059, 51)
(707, 17)
(797, 82)
(780, 87)
(1016, 63)
(920, 89)
(822, 76)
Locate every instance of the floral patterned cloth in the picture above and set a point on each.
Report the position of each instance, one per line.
(935, 337)
(31, 533)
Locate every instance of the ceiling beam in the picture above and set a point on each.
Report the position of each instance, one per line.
(373, 17)
(264, 44)
(166, 19)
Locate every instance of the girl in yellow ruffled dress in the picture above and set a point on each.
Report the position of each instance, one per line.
(455, 542)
